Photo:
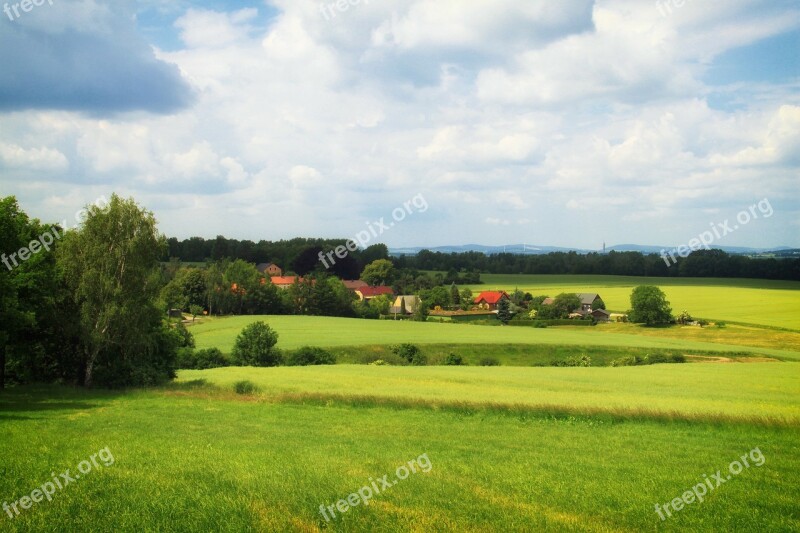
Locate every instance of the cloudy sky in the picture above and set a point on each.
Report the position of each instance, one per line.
(563, 123)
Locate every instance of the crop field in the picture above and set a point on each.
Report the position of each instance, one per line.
(761, 302)
(497, 449)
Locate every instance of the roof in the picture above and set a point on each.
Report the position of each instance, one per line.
(369, 292)
(491, 297)
(354, 284)
(601, 311)
(284, 280)
(587, 298)
(548, 301)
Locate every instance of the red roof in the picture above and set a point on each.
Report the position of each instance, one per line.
(284, 280)
(369, 292)
(490, 297)
(355, 284)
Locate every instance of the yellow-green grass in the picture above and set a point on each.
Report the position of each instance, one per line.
(189, 459)
(762, 302)
(296, 331)
(752, 391)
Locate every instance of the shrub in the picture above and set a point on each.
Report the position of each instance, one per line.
(255, 346)
(185, 358)
(583, 360)
(489, 361)
(210, 358)
(628, 360)
(246, 387)
(310, 355)
(410, 353)
(721, 324)
(187, 339)
(454, 360)
(379, 362)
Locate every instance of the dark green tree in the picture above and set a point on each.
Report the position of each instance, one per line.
(255, 346)
(503, 311)
(649, 306)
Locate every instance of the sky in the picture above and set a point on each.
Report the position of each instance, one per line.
(563, 123)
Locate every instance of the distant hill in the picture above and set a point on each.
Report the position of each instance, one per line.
(532, 249)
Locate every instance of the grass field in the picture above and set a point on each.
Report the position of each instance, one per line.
(197, 457)
(296, 331)
(762, 302)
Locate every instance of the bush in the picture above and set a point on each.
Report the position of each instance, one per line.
(410, 353)
(628, 360)
(379, 362)
(185, 359)
(454, 360)
(649, 359)
(187, 339)
(310, 355)
(210, 358)
(246, 387)
(489, 361)
(583, 360)
(255, 346)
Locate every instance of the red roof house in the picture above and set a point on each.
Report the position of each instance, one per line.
(368, 293)
(491, 298)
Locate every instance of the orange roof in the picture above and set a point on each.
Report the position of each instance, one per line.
(285, 280)
(490, 297)
(369, 292)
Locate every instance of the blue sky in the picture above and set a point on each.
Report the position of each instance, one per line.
(566, 123)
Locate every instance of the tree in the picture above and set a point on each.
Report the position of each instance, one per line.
(195, 310)
(255, 346)
(466, 299)
(308, 261)
(649, 306)
(241, 278)
(111, 268)
(455, 297)
(503, 312)
(380, 272)
(566, 303)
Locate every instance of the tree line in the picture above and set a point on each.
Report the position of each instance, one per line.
(701, 263)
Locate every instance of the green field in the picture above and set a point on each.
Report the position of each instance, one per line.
(296, 331)
(763, 302)
(512, 448)
(507, 450)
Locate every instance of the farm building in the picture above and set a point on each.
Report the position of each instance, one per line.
(269, 269)
(409, 302)
(284, 282)
(368, 293)
(491, 298)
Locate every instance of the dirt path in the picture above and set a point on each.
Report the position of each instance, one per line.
(720, 359)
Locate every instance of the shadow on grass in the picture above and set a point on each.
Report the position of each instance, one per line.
(39, 398)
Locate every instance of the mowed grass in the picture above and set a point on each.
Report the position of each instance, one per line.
(762, 302)
(190, 457)
(296, 331)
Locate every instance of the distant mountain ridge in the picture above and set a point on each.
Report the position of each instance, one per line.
(532, 249)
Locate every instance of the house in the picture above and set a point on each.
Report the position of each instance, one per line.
(601, 315)
(284, 282)
(368, 293)
(490, 298)
(354, 284)
(269, 269)
(548, 301)
(589, 301)
(409, 301)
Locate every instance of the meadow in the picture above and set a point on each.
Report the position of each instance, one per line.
(297, 331)
(760, 302)
(195, 456)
